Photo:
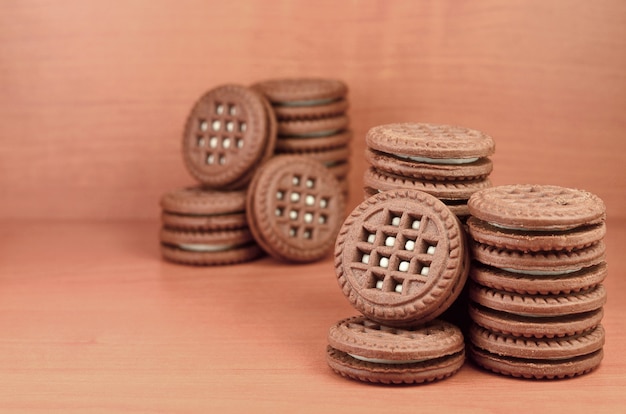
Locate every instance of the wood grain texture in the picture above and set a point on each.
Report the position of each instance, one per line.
(98, 323)
(94, 94)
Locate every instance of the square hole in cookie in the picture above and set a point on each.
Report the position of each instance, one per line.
(308, 218)
(203, 125)
(213, 141)
(310, 183)
(219, 108)
(279, 211)
(369, 237)
(242, 126)
(409, 245)
(222, 159)
(404, 265)
(200, 141)
(232, 109)
(397, 285)
(390, 241)
(295, 180)
(383, 262)
(324, 202)
(308, 233)
(294, 197)
(210, 159)
(226, 142)
(309, 200)
(322, 219)
(280, 195)
(216, 125)
(230, 126)
(239, 142)
(293, 214)
(293, 231)
(376, 281)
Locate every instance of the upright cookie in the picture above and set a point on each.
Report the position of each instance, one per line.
(367, 351)
(229, 131)
(401, 258)
(295, 208)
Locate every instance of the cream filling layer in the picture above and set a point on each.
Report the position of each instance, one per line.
(385, 361)
(452, 161)
(311, 102)
(542, 272)
(205, 247)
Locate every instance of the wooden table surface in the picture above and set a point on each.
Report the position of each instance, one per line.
(93, 97)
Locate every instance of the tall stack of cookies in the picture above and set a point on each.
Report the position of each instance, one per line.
(536, 280)
(312, 120)
(401, 260)
(448, 162)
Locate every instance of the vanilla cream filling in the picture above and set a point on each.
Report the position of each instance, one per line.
(311, 102)
(542, 272)
(196, 247)
(453, 161)
(385, 361)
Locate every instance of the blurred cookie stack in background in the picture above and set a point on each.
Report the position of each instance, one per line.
(312, 120)
(448, 162)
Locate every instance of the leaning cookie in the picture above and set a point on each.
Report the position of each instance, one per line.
(364, 350)
(401, 258)
(294, 208)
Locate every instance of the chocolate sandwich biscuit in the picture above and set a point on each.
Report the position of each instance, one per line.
(538, 358)
(401, 258)
(206, 227)
(230, 130)
(364, 350)
(295, 208)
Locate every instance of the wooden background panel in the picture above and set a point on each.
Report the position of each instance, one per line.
(94, 94)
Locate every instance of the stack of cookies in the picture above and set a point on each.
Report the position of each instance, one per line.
(249, 199)
(536, 293)
(448, 162)
(401, 260)
(312, 120)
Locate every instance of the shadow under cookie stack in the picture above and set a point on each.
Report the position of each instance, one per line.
(230, 147)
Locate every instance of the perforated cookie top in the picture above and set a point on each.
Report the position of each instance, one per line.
(295, 208)
(537, 207)
(430, 141)
(199, 201)
(226, 134)
(302, 91)
(400, 257)
(368, 339)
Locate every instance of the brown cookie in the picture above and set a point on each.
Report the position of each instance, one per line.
(401, 258)
(367, 351)
(318, 127)
(539, 357)
(522, 283)
(195, 208)
(323, 110)
(295, 208)
(537, 207)
(208, 248)
(302, 91)
(291, 145)
(539, 262)
(539, 305)
(527, 240)
(479, 169)
(539, 327)
(227, 133)
(430, 143)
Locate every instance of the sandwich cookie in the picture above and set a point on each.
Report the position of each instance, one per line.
(539, 358)
(364, 350)
(206, 227)
(401, 258)
(230, 130)
(295, 207)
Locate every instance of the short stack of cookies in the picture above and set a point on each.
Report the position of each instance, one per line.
(250, 199)
(536, 293)
(448, 162)
(401, 260)
(312, 120)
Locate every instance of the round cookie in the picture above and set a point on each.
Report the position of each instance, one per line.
(529, 326)
(430, 143)
(198, 209)
(522, 283)
(367, 351)
(208, 248)
(529, 241)
(539, 305)
(228, 132)
(537, 207)
(401, 258)
(537, 358)
(302, 91)
(481, 168)
(294, 208)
